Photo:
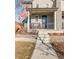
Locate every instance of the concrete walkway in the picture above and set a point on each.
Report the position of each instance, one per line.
(41, 51)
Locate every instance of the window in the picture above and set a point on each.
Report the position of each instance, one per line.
(62, 14)
(62, 25)
(37, 6)
(47, 5)
(36, 17)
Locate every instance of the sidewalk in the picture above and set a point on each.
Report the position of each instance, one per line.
(43, 52)
(28, 38)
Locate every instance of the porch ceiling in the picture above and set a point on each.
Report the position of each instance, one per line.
(43, 10)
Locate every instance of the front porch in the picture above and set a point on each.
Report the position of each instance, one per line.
(43, 18)
(42, 21)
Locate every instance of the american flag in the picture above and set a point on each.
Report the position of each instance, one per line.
(23, 14)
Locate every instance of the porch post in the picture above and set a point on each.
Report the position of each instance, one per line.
(28, 23)
(55, 20)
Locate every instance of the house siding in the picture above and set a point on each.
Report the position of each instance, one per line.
(42, 3)
(54, 17)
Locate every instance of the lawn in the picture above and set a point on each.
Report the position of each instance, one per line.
(23, 50)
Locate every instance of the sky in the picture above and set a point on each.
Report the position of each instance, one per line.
(18, 10)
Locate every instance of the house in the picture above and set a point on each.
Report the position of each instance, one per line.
(45, 14)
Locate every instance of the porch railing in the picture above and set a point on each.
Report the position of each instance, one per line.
(50, 25)
(35, 25)
(41, 26)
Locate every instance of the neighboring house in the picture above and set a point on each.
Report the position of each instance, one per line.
(45, 14)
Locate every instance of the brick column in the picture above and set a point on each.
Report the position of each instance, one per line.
(55, 20)
(58, 15)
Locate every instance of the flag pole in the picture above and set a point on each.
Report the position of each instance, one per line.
(28, 26)
(28, 22)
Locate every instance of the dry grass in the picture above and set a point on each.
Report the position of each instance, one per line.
(23, 49)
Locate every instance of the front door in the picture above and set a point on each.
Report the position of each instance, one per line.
(44, 21)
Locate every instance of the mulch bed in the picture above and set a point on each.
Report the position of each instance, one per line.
(59, 49)
(56, 35)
